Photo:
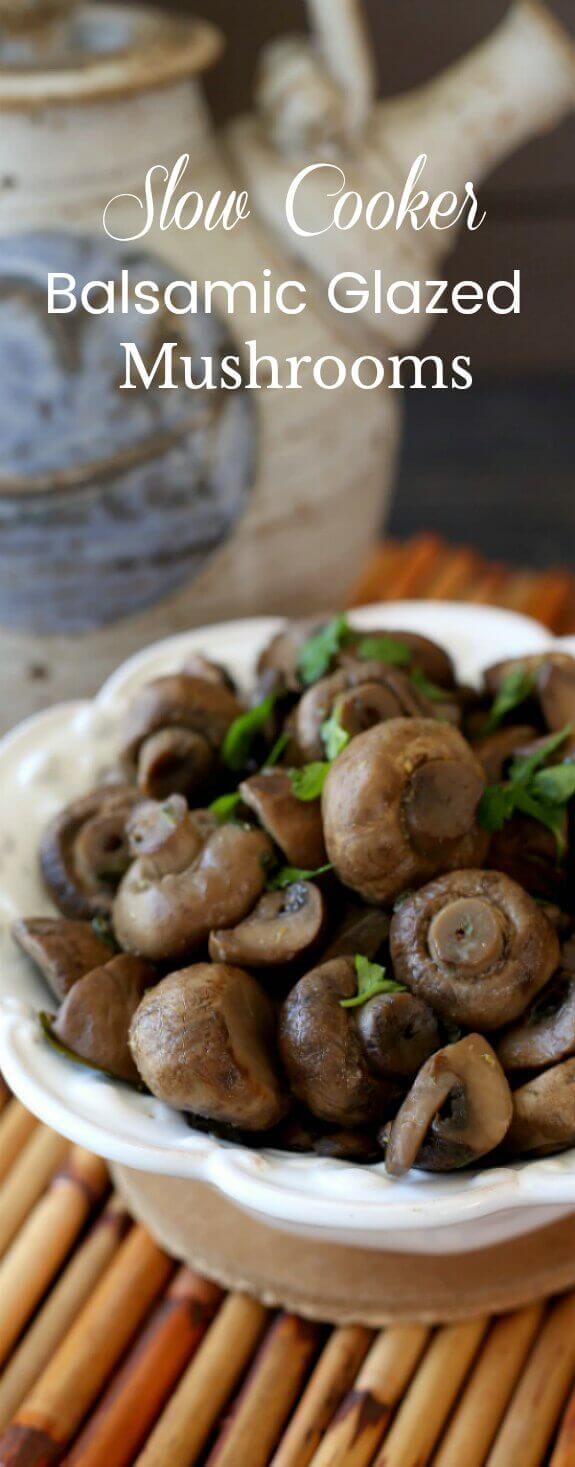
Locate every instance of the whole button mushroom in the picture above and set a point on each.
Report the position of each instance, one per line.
(544, 1113)
(62, 949)
(459, 1109)
(84, 850)
(295, 825)
(283, 926)
(95, 1018)
(496, 749)
(400, 805)
(190, 878)
(549, 679)
(322, 1050)
(475, 946)
(203, 1040)
(399, 1032)
(546, 1032)
(174, 730)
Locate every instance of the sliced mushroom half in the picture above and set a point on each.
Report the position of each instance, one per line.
(295, 825)
(544, 1113)
(84, 850)
(283, 926)
(546, 1032)
(459, 1109)
(475, 946)
(62, 949)
(204, 1041)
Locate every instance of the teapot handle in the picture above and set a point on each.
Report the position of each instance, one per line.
(340, 29)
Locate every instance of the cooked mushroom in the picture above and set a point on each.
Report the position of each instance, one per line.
(95, 1018)
(204, 1040)
(199, 705)
(475, 946)
(174, 760)
(546, 1032)
(361, 930)
(426, 656)
(550, 682)
(362, 694)
(400, 805)
(544, 1113)
(63, 950)
(399, 1032)
(277, 666)
(283, 926)
(322, 1050)
(295, 825)
(459, 1109)
(187, 883)
(354, 1146)
(196, 665)
(527, 851)
(84, 851)
(496, 749)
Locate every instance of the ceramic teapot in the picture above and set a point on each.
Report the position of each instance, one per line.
(128, 516)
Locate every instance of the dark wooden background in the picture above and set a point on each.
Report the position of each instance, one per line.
(493, 466)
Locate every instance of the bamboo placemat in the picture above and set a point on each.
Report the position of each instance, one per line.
(112, 1354)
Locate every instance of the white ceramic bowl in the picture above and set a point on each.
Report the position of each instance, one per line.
(56, 756)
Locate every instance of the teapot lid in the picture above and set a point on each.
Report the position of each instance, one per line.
(66, 52)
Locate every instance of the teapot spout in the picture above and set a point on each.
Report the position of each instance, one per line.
(516, 84)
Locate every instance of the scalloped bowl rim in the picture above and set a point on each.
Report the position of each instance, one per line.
(49, 759)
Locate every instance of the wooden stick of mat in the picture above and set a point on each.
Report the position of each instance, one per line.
(486, 1397)
(455, 577)
(564, 1454)
(365, 1413)
(332, 1378)
(43, 1243)
(431, 1396)
(51, 1414)
(63, 1304)
(134, 1399)
(16, 1127)
(207, 1385)
(264, 1404)
(538, 1401)
(27, 1180)
(419, 562)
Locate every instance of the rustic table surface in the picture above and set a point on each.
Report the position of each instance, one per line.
(112, 1354)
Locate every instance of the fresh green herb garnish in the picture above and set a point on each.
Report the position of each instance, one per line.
(430, 690)
(242, 732)
(385, 649)
(225, 808)
(334, 738)
(288, 875)
(277, 751)
(307, 783)
(533, 790)
(371, 980)
(516, 687)
(316, 654)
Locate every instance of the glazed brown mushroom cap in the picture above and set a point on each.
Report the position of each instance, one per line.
(278, 663)
(84, 852)
(475, 946)
(556, 692)
(400, 805)
(426, 656)
(544, 1113)
(399, 1032)
(204, 1041)
(179, 701)
(196, 665)
(546, 1032)
(533, 665)
(295, 825)
(322, 1050)
(95, 1018)
(62, 949)
(166, 909)
(362, 694)
(459, 1109)
(283, 926)
(527, 852)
